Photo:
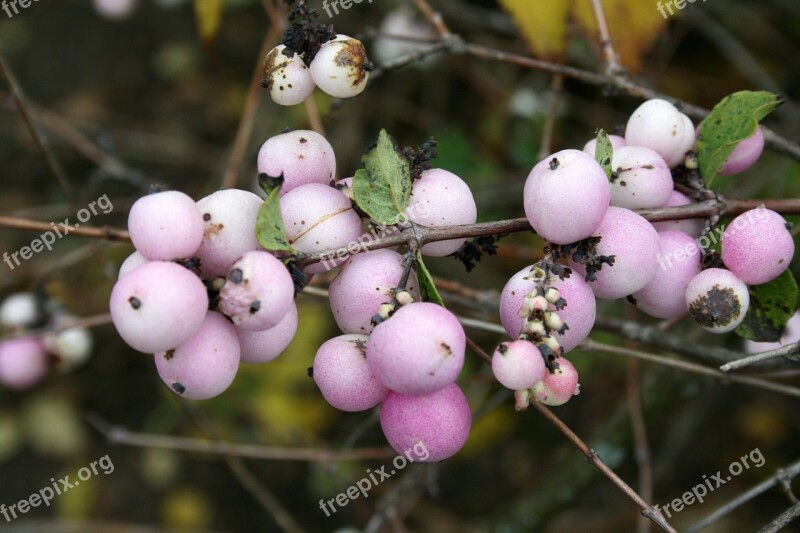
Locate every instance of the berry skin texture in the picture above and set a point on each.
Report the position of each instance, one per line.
(206, 364)
(635, 245)
(318, 218)
(23, 363)
(132, 261)
(518, 365)
(288, 79)
(679, 263)
(745, 155)
(366, 281)
(440, 198)
(617, 142)
(579, 313)
(692, 226)
(264, 346)
(566, 196)
(258, 292)
(757, 247)
(300, 156)
(19, 310)
(158, 306)
(643, 179)
(557, 388)
(658, 125)
(165, 226)
(717, 300)
(230, 218)
(343, 376)
(418, 350)
(438, 422)
(340, 68)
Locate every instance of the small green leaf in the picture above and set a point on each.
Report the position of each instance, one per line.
(771, 306)
(731, 121)
(269, 228)
(383, 187)
(427, 288)
(604, 152)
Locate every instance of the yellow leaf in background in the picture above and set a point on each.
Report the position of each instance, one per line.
(543, 23)
(209, 19)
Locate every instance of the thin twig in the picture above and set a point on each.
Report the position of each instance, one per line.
(556, 88)
(104, 232)
(790, 352)
(89, 322)
(786, 518)
(610, 57)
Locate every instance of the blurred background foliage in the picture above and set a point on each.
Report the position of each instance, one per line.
(166, 104)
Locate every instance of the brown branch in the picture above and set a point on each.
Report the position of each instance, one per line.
(89, 322)
(610, 57)
(104, 232)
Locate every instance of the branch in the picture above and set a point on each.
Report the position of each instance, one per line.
(788, 516)
(105, 232)
(790, 352)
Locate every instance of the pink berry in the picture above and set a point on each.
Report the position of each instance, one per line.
(692, 226)
(717, 300)
(439, 422)
(745, 155)
(558, 387)
(642, 178)
(134, 260)
(658, 125)
(23, 363)
(263, 346)
(300, 156)
(518, 365)
(617, 142)
(566, 196)
(343, 376)
(165, 226)
(757, 247)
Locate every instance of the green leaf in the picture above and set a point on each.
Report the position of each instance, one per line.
(604, 152)
(771, 306)
(383, 187)
(269, 227)
(731, 121)
(427, 288)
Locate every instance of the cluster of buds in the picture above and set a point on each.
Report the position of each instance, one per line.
(540, 311)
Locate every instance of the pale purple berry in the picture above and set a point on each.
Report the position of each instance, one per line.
(205, 365)
(558, 387)
(264, 346)
(518, 365)
(258, 292)
(757, 246)
(566, 196)
(679, 263)
(132, 261)
(300, 156)
(438, 422)
(343, 375)
(641, 178)
(691, 226)
(288, 79)
(717, 300)
(20, 310)
(617, 142)
(165, 226)
(158, 306)
(341, 67)
(658, 125)
(23, 363)
(418, 350)
(745, 155)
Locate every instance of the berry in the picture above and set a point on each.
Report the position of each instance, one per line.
(717, 300)
(263, 346)
(401, 21)
(204, 366)
(115, 9)
(617, 142)
(287, 79)
(558, 387)
(300, 156)
(258, 292)
(132, 261)
(744, 155)
(566, 196)
(71, 347)
(420, 349)
(635, 245)
(518, 365)
(165, 226)
(439, 421)
(158, 306)
(341, 67)
(366, 281)
(757, 247)
(642, 178)
(343, 376)
(692, 226)
(23, 363)
(658, 125)
(679, 263)
(20, 310)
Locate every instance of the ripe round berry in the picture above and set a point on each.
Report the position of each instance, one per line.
(366, 281)
(319, 218)
(341, 67)
(518, 365)
(300, 156)
(717, 300)
(20, 310)
(70, 348)
(558, 387)
(658, 125)
(440, 198)
(635, 245)
(288, 79)
(438, 422)
(23, 363)
(617, 142)
(158, 306)
(757, 247)
(420, 349)
(134, 260)
(165, 226)
(264, 346)
(744, 155)
(230, 218)
(343, 376)
(566, 196)
(642, 179)
(204, 366)
(692, 226)
(679, 263)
